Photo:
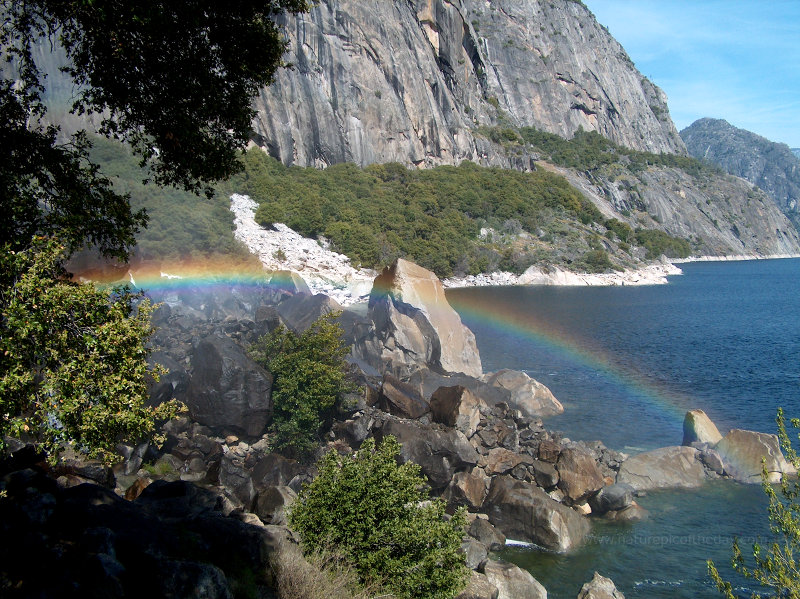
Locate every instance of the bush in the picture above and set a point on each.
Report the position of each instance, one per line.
(776, 566)
(375, 512)
(309, 376)
(657, 243)
(72, 357)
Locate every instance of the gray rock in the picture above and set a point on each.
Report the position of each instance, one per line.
(663, 468)
(578, 475)
(612, 498)
(545, 474)
(698, 428)
(600, 587)
(478, 587)
(228, 389)
(272, 503)
(401, 399)
(524, 512)
(474, 552)
(742, 452)
(467, 489)
(457, 407)
(301, 310)
(528, 395)
(513, 582)
(487, 534)
(415, 327)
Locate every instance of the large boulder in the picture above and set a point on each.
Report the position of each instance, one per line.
(401, 399)
(440, 453)
(600, 587)
(524, 512)
(227, 388)
(663, 468)
(612, 498)
(415, 327)
(528, 395)
(742, 452)
(698, 428)
(301, 310)
(478, 587)
(457, 407)
(466, 489)
(578, 474)
(513, 582)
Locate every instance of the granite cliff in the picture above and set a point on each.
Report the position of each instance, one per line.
(411, 81)
(771, 166)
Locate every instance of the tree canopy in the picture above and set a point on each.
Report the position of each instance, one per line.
(173, 79)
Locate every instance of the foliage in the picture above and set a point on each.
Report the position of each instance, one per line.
(588, 150)
(375, 511)
(433, 216)
(310, 376)
(174, 79)
(181, 225)
(318, 575)
(72, 358)
(658, 243)
(776, 566)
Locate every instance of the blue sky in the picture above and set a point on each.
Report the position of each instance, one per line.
(737, 60)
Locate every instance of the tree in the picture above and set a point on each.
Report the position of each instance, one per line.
(377, 514)
(173, 78)
(776, 566)
(72, 358)
(309, 376)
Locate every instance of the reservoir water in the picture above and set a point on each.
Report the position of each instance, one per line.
(627, 363)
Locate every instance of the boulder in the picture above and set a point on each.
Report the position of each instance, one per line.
(478, 587)
(544, 473)
(440, 453)
(742, 451)
(430, 381)
(600, 587)
(663, 468)
(549, 451)
(272, 503)
(633, 513)
(227, 388)
(401, 399)
(697, 427)
(513, 582)
(528, 395)
(466, 489)
(524, 512)
(415, 327)
(487, 534)
(274, 470)
(300, 311)
(612, 498)
(475, 553)
(235, 477)
(578, 475)
(458, 407)
(502, 461)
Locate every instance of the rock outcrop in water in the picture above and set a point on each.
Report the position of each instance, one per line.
(411, 82)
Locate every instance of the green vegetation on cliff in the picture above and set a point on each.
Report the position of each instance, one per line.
(433, 217)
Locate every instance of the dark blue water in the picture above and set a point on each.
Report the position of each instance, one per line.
(723, 337)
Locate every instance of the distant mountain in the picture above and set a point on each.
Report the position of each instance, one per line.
(771, 166)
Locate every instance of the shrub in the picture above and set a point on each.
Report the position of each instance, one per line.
(309, 376)
(375, 512)
(776, 566)
(72, 357)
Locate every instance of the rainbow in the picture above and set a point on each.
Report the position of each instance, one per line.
(508, 320)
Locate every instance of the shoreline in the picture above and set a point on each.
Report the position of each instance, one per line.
(331, 273)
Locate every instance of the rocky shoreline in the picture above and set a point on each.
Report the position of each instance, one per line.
(478, 438)
(325, 271)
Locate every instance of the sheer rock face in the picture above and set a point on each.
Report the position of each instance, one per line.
(415, 327)
(410, 81)
(771, 166)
